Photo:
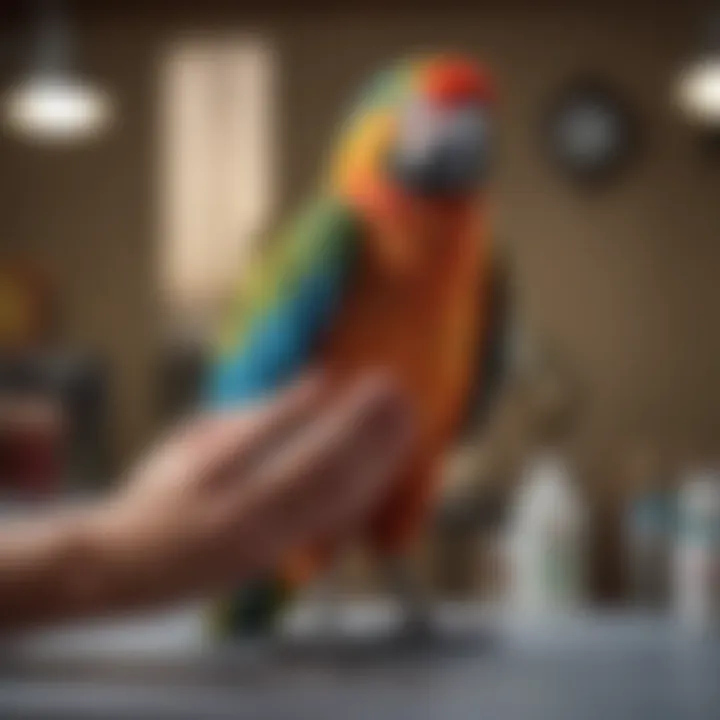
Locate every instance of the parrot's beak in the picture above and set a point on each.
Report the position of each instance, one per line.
(443, 151)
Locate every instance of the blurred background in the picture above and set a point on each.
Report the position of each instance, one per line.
(147, 149)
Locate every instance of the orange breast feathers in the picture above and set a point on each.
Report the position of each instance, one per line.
(415, 309)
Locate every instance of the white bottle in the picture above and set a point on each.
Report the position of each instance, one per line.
(546, 540)
(697, 552)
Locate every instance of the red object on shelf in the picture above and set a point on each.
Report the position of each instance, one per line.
(32, 439)
(32, 424)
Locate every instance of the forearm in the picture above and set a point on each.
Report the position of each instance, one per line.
(63, 566)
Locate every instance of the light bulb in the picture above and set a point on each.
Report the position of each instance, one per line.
(57, 108)
(699, 91)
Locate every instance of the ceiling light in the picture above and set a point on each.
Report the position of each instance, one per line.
(57, 108)
(52, 102)
(699, 91)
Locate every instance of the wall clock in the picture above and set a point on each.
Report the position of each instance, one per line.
(590, 132)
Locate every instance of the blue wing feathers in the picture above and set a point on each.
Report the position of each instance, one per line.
(282, 341)
(279, 345)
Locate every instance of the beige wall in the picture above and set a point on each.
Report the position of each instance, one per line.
(624, 279)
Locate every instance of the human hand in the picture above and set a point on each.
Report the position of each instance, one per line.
(228, 495)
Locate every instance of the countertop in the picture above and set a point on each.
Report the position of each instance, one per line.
(607, 666)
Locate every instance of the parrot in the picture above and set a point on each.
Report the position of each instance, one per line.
(389, 265)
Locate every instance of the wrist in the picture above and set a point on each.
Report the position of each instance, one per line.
(110, 543)
(134, 555)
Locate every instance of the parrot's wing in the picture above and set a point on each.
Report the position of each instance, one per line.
(287, 304)
(495, 356)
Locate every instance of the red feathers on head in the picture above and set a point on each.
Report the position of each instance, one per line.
(452, 81)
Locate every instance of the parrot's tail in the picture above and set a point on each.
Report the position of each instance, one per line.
(253, 610)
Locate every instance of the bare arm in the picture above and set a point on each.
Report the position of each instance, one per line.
(222, 498)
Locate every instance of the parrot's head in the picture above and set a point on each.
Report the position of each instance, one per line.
(423, 126)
